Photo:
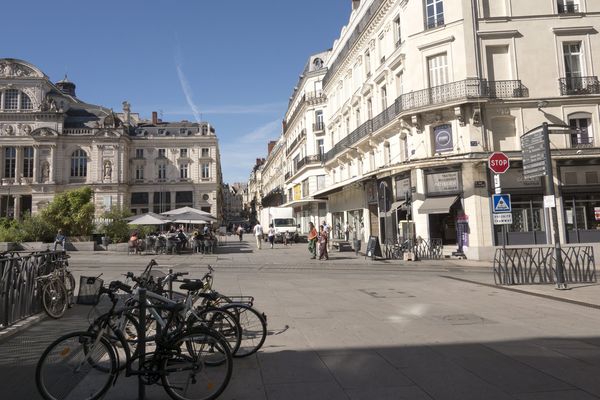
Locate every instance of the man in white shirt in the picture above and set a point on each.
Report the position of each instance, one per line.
(258, 232)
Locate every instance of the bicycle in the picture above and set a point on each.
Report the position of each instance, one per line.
(190, 363)
(57, 288)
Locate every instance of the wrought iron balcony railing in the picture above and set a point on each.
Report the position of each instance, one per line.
(319, 127)
(455, 91)
(434, 22)
(297, 140)
(314, 159)
(568, 8)
(581, 141)
(579, 85)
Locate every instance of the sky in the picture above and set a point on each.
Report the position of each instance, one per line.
(233, 63)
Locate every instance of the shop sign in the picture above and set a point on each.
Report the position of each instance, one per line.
(445, 182)
(597, 213)
(480, 184)
(297, 192)
(442, 136)
(402, 188)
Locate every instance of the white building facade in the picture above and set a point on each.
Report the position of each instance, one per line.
(419, 93)
(52, 141)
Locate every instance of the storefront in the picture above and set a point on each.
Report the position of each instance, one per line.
(580, 192)
(529, 221)
(401, 206)
(442, 204)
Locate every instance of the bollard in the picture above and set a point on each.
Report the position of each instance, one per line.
(142, 345)
(170, 284)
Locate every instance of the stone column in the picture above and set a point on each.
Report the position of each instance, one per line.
(172, 205)
(151, 201)
(17, 206)
(36, 164)
(52, 177)
(19, 164)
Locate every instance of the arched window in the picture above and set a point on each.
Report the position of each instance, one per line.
(26, 103)
(79, 164)
(11, 99)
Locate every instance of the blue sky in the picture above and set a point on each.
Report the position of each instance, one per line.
(233, 63)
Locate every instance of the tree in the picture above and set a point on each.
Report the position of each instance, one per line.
(72, 211)
(117, 229)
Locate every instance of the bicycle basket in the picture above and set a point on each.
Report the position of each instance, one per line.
(89, 290)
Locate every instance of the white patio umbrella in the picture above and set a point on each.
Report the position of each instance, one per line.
(150, 219)
(182, 210)
(190, 218)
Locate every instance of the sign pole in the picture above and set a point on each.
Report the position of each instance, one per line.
(549, 183)
(498, 190)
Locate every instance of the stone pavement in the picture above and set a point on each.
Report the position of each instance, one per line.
(351, 328)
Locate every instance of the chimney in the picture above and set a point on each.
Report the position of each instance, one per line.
(272, 144)
(154, 118)
(355, 4)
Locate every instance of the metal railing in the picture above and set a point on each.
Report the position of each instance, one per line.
(434, 23)
(568, 8)
(19, 291)
(318, 127)
(467, 89)
(523, 266)
(297, 140)
(314, 159)
(579, 85)
(422, 249)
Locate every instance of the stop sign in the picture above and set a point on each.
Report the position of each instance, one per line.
(498, 162)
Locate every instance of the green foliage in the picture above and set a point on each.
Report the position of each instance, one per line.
(35, 228)
(118, 230)
(72, 211)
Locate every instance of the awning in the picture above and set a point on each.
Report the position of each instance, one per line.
(437, 205)
(398, 204)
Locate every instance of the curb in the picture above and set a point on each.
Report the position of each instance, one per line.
(9, 332)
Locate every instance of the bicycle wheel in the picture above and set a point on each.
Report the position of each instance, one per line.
(122, 333)
(200, 369)
(54, 298)
(222, 321)
(78, 365)
(254, 328)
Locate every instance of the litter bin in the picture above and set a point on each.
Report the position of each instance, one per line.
(356, 244)
(105, 241)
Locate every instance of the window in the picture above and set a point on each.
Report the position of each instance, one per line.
(205, 152)
(434, 13)
(11, 99)
(347, 125)
(162, 172)
(383, 98)
(139, 153)
(183, 153)
(26, 103)
(183, 199)
(369, 108)
(438, 69)
(10, 162)
(368, 63)
(183, 171)
(139, 172)
(28, 162)
(400, 83)
(162, 201)
(319, 120)
(321, 147)
(320, 182)
(568, 6)
(139, 198)
(204, 130)
(305, 188)
(397, 33)
(162, 153)
(582, 135)
(357, 115)
(79, 164)
(573, 55)
(205, 170)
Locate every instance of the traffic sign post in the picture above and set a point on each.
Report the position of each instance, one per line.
(498, 162)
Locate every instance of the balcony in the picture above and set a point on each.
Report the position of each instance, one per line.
(579, 85)
(468, 89)
(288, 175)
(318, 128)
(581, 141)
(568, 8)
(297, 140)
(315, 159)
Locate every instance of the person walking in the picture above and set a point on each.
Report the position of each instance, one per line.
(312, 240)
(327, 230)
(240, 232)
(323, 239)
(60, 239)
(271, 234)
(258, 232)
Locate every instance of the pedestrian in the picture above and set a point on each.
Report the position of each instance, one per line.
(60, 239)
(323, 239)
(312, 240)
(258, 232)
(346, 232)
(327, 230)
(271, 234)
(240, 232)
(288, 238)
(285, 238)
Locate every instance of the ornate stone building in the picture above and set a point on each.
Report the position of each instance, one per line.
(52, 141)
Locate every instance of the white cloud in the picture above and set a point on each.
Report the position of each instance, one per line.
(268, 130)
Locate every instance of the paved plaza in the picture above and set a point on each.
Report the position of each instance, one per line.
(353, 328)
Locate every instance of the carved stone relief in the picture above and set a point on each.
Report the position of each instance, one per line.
(14, 70)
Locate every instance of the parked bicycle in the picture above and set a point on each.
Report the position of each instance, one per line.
(57, 288)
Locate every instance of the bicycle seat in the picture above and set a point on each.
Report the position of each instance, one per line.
(192, 285)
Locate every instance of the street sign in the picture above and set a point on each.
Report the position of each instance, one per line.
(549, 201)
(501, 203)
(498, 162)
(503, 219)
(534, 147)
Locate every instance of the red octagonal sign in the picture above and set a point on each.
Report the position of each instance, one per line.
(498, 162)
